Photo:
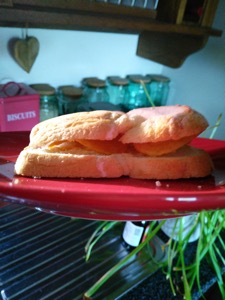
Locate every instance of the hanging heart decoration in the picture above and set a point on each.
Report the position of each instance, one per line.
(25, 52)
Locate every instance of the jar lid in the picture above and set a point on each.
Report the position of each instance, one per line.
(43, 89)
(159, 78)
(87, 79)
(72, 91)
(139, 78)
(64, 86)
(95, 82)
(117, 80)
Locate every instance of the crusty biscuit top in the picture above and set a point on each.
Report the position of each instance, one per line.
(95, 125)
(157, 124)
(143, 125)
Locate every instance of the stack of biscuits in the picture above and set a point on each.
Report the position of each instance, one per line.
(145, 143)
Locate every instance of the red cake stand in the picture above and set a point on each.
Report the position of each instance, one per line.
(119, 199)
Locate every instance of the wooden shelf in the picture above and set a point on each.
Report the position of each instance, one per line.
(104, 17)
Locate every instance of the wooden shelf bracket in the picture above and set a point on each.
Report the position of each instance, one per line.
(170, 49)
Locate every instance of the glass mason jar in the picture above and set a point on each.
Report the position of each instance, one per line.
(118, 90)
(69, 98)
(159, 89)
(95, 90)
(48, 101)
(138, 97)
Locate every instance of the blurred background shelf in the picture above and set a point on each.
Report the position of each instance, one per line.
(170, 21)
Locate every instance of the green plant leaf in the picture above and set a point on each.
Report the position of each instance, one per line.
(151, 233)
(147, 94)
(97, 234)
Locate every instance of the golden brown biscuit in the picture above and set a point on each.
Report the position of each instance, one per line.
(187, 162)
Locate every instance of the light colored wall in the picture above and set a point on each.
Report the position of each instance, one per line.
(66, 57)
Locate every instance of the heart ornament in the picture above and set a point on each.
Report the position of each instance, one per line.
(25, 52)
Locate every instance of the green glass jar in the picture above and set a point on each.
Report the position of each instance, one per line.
(159, 89)
(118, 90)
(138, 97)
(48, 101)
(69, 99)
(96, 91)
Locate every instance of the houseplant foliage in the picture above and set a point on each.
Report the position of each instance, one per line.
(210, 248)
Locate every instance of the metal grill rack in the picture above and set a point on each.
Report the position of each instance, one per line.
(42, 257)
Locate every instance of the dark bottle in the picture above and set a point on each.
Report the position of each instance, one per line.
(133, 234)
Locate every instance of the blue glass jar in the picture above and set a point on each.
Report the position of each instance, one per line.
(137, 89)
(69, 99)
(159, 89)
(48, 101)
(118, 90)
(95, 90)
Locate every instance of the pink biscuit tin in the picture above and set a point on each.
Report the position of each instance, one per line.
(19, 107)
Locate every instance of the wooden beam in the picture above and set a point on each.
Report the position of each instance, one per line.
(81, 6)
(93, 22)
